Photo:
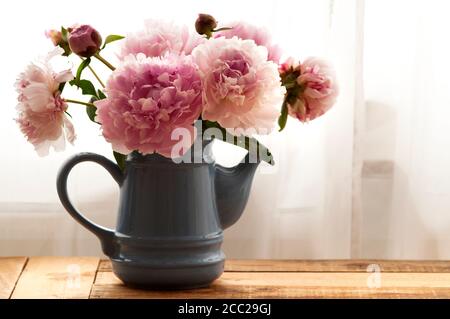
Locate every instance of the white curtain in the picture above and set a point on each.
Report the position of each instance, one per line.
(406, 184)
(302, 208)
(368, 179)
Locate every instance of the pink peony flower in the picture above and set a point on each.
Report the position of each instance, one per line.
(41, 109)
(241, 89)
(260, 35)
(160, 38)
(318, 90)
(289, 65)
(147, 99)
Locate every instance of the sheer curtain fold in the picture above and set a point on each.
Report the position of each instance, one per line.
(410, 124)
(311, 214)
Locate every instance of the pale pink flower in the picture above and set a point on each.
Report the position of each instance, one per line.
(241, 89)
(55, 36)
(260, 35)
(160, 38)
(41, 109)
(147, 99)
(318, 90)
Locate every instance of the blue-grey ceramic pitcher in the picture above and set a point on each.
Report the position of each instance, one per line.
(171, 217)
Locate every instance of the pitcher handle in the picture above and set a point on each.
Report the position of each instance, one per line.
(105, 235)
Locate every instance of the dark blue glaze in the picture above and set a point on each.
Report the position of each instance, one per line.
(171, 217)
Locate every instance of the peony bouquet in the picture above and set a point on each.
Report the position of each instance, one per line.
(228, 78)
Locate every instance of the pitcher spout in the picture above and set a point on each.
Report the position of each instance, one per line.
(232, 187)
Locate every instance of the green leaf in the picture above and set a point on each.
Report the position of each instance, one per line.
(91, 111)
(112, 38)
(64, 44)
(282, 120)
(83, 65)
(101, 95)
(64, 34)
(232, 139)
(86, 86)
(120, 159)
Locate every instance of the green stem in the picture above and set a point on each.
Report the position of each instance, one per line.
(96, 76)
(78, 102)
(101, 59)
(222, 29)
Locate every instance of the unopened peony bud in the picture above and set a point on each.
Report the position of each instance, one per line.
(84, 40)
(205, 24)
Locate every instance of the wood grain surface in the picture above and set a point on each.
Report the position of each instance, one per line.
(10, 270)
(345, 265)
(56, 277)
(88, 277)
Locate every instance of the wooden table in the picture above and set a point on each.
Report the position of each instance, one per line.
(90, 277)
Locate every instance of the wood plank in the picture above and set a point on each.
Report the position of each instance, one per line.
(266, 265)
(10, 270)
(403, 266)
(57, 277)
(104, 265)
(292, 285)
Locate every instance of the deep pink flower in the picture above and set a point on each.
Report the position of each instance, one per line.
(241, 89)
(147, 99)
(160, 38)
(289, 65)
(261, 36)
(84, 40)
(318, 90)
(41, 109)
